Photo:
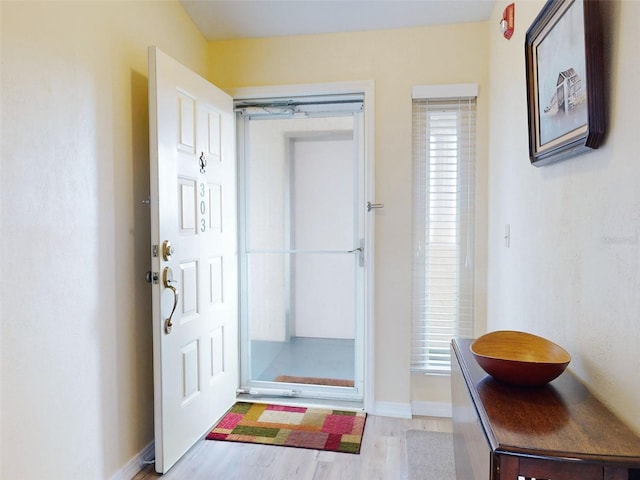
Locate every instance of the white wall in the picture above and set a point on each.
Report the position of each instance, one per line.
(268, 183)
(324, 205)
(1, 120)
(76, 382)
(572, 272)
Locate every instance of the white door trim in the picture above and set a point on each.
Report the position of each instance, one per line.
(367, 87)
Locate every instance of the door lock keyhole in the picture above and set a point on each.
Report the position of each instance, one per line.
(167, 250)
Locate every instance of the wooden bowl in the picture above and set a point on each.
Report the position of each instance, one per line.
(519, 358)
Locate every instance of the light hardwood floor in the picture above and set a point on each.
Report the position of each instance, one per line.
(382, 456)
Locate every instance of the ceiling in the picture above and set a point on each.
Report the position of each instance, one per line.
(228, 19)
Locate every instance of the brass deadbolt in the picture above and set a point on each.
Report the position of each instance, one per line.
(167, 250)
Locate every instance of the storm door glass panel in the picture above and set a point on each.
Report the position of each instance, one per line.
(306, 331)
(300, 249)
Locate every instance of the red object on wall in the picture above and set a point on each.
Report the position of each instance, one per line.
(508, 21)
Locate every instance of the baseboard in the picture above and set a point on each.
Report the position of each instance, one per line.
(392, 409)
(431, 409)
(136, 464)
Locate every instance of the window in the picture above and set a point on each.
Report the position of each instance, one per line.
(444, 174)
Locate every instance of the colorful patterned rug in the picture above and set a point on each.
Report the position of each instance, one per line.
(315, 428)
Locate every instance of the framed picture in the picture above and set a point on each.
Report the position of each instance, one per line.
(565, 80)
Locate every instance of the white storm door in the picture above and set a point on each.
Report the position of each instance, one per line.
(193, 207)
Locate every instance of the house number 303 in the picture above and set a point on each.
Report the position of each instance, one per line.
(203, 208)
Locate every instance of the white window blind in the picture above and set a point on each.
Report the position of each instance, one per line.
(444, 196)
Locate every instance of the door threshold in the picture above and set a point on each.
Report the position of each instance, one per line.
(332, 404)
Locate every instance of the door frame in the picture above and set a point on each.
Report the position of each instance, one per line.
(367, 88)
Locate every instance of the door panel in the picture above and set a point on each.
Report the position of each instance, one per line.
(189, 288)
(215, 207)
(187, 207)
(192, 206)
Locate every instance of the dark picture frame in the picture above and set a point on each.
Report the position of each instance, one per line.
(565, 80)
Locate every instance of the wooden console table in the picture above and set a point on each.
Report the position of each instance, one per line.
(556, 432)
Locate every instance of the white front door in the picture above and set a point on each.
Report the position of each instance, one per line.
(194, 253)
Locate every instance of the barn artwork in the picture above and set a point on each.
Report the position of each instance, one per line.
(561, 73)
(565, 80)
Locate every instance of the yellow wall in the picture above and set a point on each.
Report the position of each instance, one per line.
(571, 273)
(77, 398)
(396, 60)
